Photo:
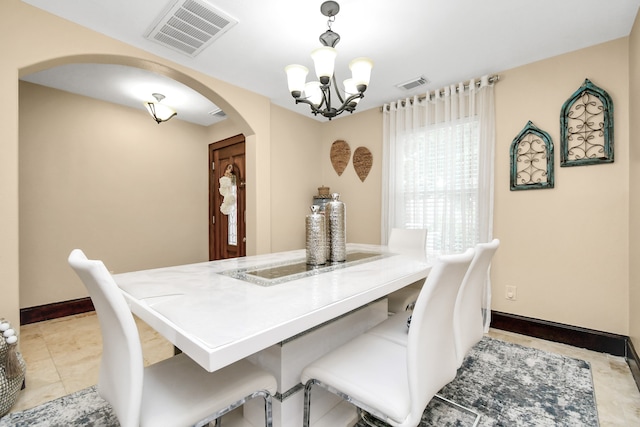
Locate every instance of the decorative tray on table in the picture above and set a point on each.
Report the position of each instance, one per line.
(274, 274)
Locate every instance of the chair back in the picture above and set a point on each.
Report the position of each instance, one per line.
(121, 367)
(431, 352)
(412, 242)
(467, 319)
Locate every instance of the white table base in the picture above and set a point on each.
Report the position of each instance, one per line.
(287, 360)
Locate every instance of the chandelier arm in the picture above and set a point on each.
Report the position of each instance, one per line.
(326, 91)
(325, 103)
(328, 111)
(346, 107)
(354, 97)
(335, 85)
(314, 109)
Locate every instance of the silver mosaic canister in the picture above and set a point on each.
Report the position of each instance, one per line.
(316, 237)
(336, 217)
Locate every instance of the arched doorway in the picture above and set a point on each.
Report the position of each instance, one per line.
(125, 242)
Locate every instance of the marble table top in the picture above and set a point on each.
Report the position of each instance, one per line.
(216, 316)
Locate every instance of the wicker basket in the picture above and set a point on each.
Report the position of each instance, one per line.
(10, 385)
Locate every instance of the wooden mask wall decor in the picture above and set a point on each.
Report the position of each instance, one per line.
(362, 161)
(340, 155)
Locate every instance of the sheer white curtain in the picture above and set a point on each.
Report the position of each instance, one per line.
(438, 155)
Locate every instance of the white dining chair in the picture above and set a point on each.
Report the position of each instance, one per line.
(393, 382)
(467, 320)
(174, 392)
(411, 242)
(468, 323)
(467, 314)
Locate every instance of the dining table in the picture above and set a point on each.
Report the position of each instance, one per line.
(274, 310)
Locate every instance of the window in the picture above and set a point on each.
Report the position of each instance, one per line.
(440, 185)
(438, 166)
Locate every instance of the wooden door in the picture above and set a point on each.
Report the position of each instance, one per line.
(227, 198)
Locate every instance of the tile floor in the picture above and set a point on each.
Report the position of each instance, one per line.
(63, 355)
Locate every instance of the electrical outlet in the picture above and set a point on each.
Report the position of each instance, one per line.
(511, 293)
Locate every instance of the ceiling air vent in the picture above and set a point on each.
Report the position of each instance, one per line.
(412, 84)
(189, 26)
(217, 113)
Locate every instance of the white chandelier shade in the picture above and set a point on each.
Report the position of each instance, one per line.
(350, 89)
(324, 60)
(361, 71)
(296, 77)
(313, 93)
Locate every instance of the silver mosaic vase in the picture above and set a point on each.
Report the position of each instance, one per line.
(336, 218)
(316, 237)
(11, 378)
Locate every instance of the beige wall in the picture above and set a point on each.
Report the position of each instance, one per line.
(295, 160)
(223, 130)
(362, 199)
(108, 180)
(566, 249)
(634, 185)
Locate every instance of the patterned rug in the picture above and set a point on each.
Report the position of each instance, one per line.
(511, 385)
(82, 408)
(508, 384)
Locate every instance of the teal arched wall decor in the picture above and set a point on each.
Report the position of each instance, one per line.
(531, 159)
(586, 127)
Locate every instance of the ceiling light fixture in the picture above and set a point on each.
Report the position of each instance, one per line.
(318, 93)
(159, 112)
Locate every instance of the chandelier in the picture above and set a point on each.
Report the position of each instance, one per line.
(159, 112)
(318, 94)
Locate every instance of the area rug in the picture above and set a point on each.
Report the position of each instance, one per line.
(511, 385)
(508, 384)
(82, 408)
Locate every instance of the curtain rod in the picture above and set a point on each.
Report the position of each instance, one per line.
(492, 79)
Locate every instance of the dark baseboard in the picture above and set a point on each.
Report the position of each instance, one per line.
(634, 362)
(55, 310)
(603, 342)
(590, 339)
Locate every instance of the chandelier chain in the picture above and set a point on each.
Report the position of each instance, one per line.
(330, 21)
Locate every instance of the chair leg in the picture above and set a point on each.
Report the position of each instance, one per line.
(268, 410)
(459, 406)
(306, 417)
(359, 405)
(370, 420)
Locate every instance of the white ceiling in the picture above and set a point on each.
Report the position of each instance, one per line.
(446, 41)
